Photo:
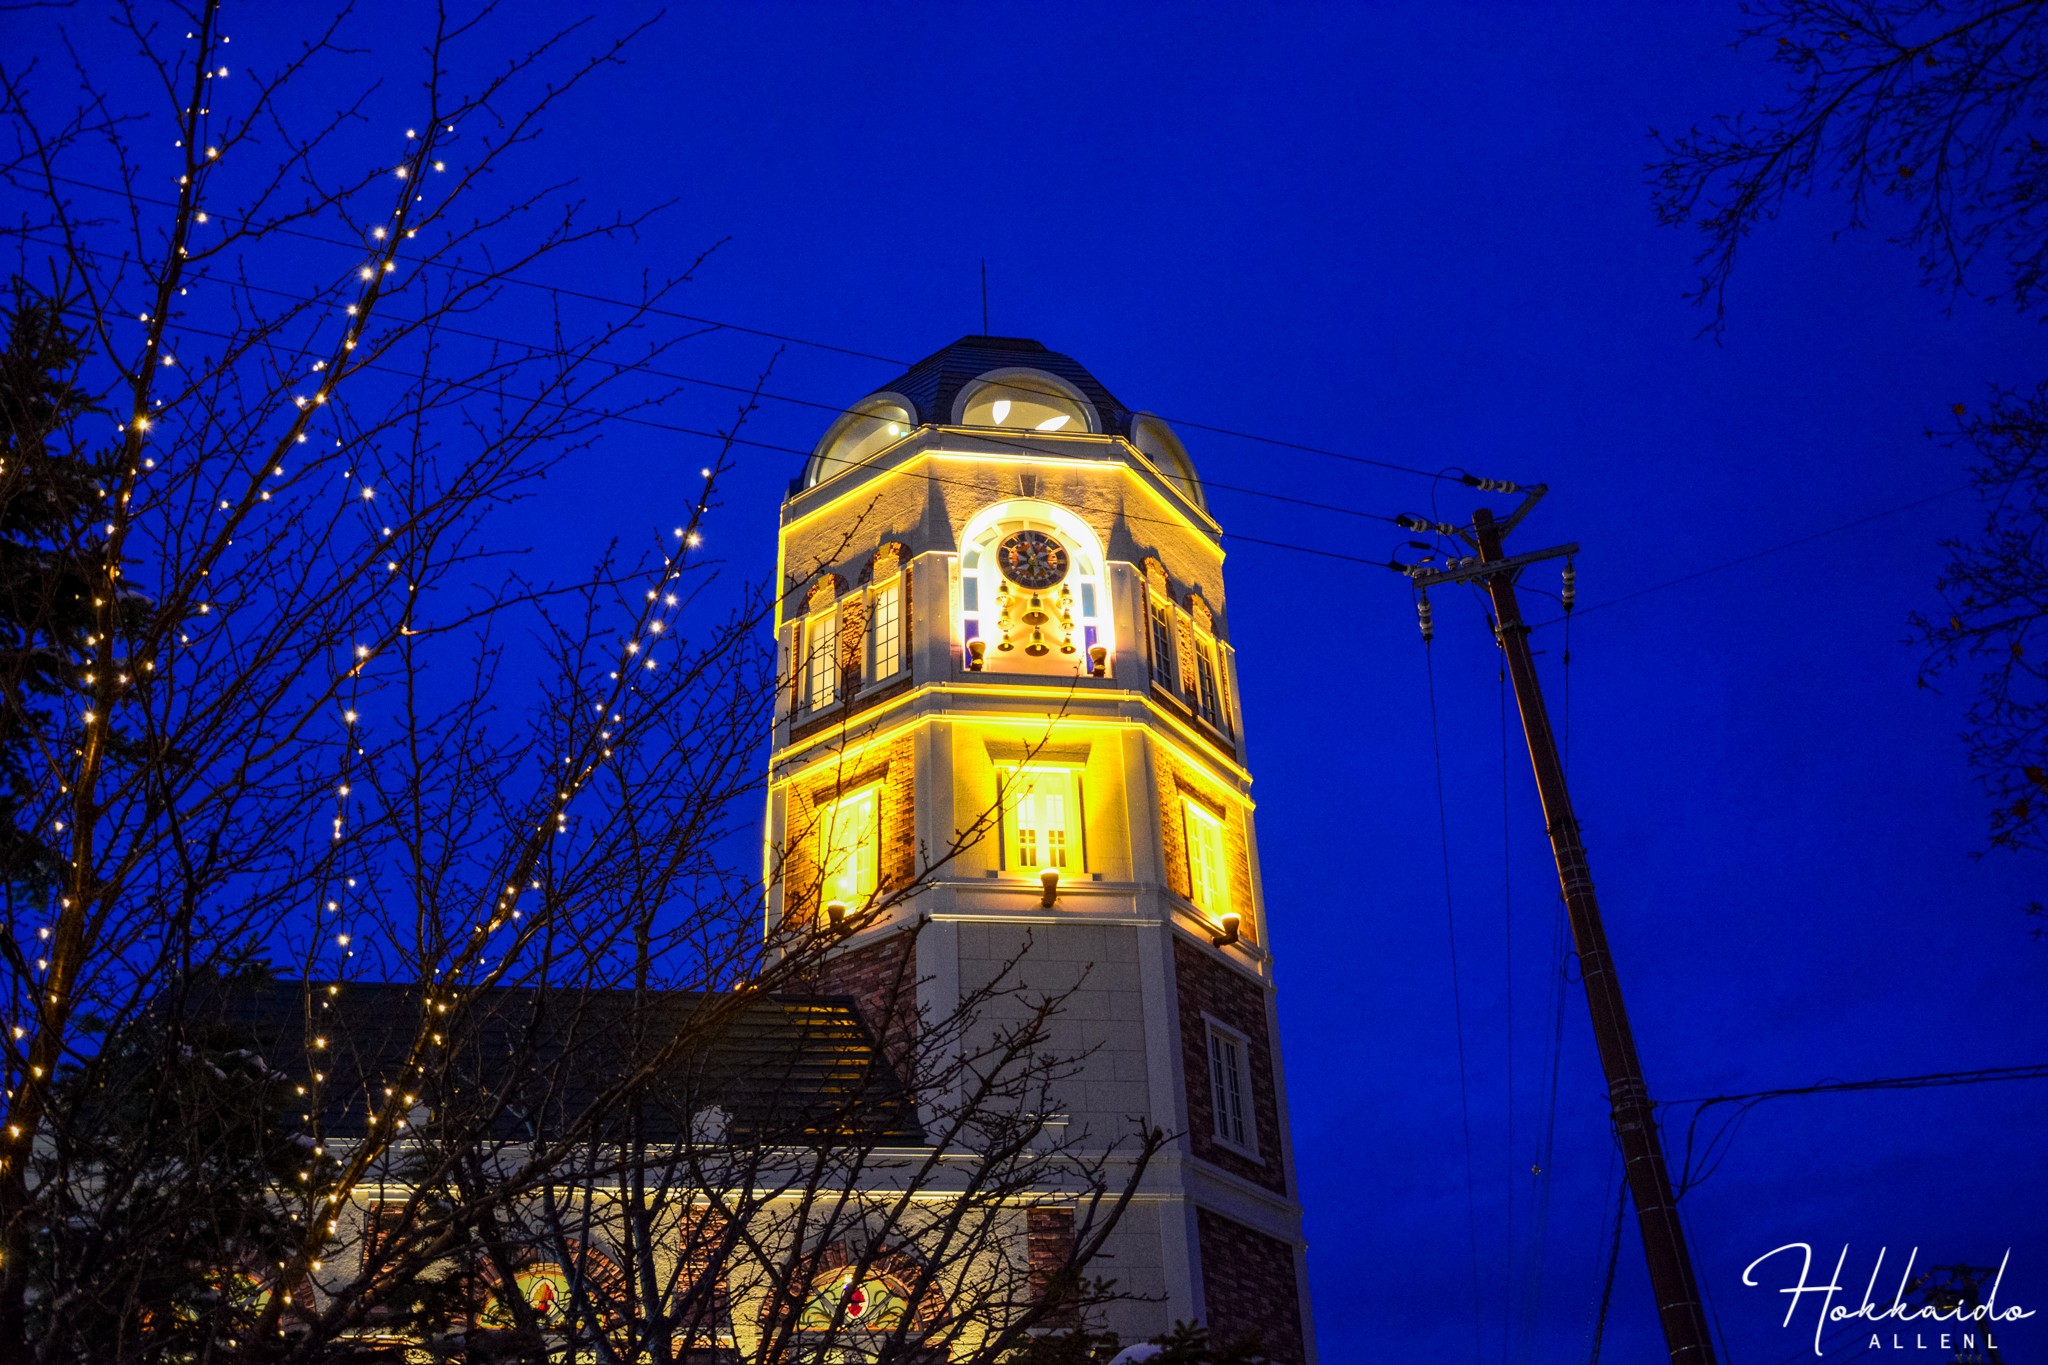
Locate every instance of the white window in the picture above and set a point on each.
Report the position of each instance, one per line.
(1044, 818)
(885, 629)
(821, 666)
(849, 846)
(1203, 835)
(1230, 1089)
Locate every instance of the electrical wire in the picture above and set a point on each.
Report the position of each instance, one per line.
(534, 349)
(1759, 554)
(1715, 1148)
(1443, 821)
(1507, 901)
(715, 324)
(737, 440)
(1613, 1264)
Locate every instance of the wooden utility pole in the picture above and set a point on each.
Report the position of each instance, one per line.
(1635, 1128)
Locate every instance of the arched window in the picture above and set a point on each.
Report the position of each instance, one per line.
(1025, 400)
(868, 428)
(1159, 445)
(1034, 597)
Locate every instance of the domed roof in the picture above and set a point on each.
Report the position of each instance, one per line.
(1002, 382)
(933, 385)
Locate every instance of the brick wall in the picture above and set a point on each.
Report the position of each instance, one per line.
(1204, 984)
(1249, 1288)
(895, 767)
(1049, 1241)
(882, 979)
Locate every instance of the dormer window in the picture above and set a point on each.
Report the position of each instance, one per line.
(1026, 401)
(868, 428)
(1156, 441)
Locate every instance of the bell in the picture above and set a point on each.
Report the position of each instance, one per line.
(1038, 645)
(1035, 613)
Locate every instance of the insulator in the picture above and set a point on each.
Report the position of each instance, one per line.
(1571, 585)
(1423, 617)
(1409, 522)
(1490, 485)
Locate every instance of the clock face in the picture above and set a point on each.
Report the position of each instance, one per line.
(1032, 559)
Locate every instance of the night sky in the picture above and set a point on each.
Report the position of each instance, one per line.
(1421, 234)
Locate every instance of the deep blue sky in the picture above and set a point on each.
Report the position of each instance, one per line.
(1420, 233)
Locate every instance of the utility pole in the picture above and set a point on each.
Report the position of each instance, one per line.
(1679, 1307)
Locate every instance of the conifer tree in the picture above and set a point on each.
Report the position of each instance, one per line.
(51, 482)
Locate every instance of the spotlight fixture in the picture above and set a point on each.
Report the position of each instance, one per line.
(835, 914)
(1226, 934)
(1050, 880)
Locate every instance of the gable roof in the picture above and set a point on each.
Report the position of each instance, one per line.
(520, 1062)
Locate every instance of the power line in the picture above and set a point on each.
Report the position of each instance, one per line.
(1759, 554)
(715, 324)
(657, 424)
(637, 367)
(1715, 1149)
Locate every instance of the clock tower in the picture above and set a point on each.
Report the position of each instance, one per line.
(1009, 689)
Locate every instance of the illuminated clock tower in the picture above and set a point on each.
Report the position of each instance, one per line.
(1009, 683)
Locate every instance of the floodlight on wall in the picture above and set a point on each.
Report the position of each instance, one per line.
(1098, 661)
(835, 914)
(1050, 880)
(1225, 933)
(975, 649)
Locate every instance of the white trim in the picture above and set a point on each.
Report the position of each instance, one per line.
(1235, 1086)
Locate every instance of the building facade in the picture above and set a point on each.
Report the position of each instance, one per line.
(1010, 723)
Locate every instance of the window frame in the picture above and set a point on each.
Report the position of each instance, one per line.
(879, 666)
(1231, 1096)
(821, 665)
(867, 876)
(1068, 777)
(1160, 632)
(1194, 814)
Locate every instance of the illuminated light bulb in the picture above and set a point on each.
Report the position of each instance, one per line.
(400, 172)
(377, 234)
(440, 165)
(202, 216)
(211, 152)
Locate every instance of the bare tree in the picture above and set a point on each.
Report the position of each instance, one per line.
(1927, 117)
(325, 740)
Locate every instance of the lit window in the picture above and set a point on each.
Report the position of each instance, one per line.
(885, 631)
(821, 667)
(869, 429)
(1045, 819)
(1026, 403)
(849, 846)
(1230, 1086)
(1203, 834)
